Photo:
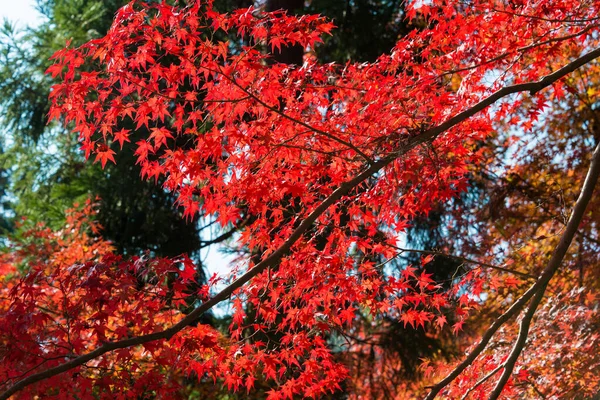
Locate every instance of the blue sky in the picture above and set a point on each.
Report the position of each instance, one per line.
(21, 12)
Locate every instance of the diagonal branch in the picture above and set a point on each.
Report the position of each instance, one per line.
(305, 225)
(557, 256)
(299, 122)
(523, 49)
(536, 289)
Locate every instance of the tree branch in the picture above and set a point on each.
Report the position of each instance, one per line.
(536, 289)
(467, 260)
(226, 235)
(523, 49)
(482, 381)
(289, 117)
(304, 226)
(559, 253)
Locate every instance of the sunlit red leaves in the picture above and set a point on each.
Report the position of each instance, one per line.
(122, 136)
(236, 135)
(104, 154)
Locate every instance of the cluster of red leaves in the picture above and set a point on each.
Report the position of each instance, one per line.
(65, 293)
(262, 138)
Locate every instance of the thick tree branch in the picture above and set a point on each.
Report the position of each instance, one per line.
(305, 225)
(536, 289)
(557, 256)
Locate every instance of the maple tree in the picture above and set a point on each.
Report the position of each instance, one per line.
(320, 168)
(45, 170)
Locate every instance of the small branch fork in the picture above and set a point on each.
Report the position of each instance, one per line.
(427, 136)
(482, 381)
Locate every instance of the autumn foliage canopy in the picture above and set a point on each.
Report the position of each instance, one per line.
(321, 169)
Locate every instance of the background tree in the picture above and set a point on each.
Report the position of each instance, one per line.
(48, 172)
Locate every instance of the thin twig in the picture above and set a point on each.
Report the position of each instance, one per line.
(521, 50)
(467, 260)
(482, 381)
(299, 122)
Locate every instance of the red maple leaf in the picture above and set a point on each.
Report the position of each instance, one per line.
(104, 153)
(122, 136)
